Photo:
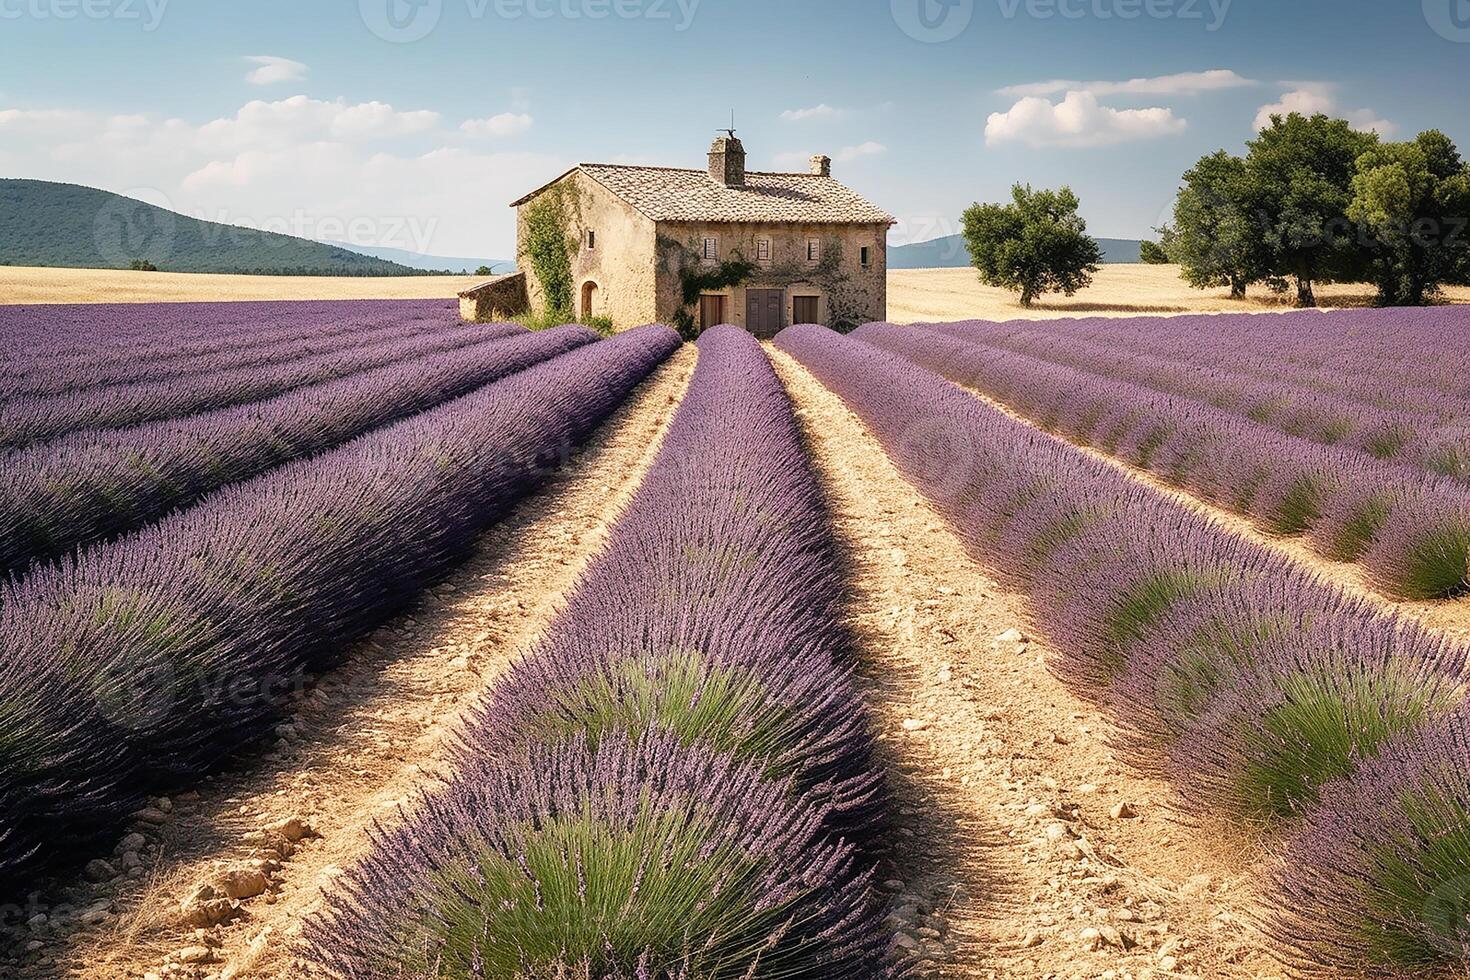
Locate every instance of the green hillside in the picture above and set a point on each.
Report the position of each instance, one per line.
(69, 226)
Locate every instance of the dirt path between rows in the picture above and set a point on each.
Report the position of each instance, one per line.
(1025, 848)
(362, 742)
(1452, 618)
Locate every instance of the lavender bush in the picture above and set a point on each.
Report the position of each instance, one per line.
(82, 404)
(642, 860)
(147, 341)
(277, 337)
(95, 484)
(139, 664)
(1407, 527)
(1376, 880)
(657, 788)
(1275, 676)
(715, 610)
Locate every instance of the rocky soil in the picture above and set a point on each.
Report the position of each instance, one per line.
(1025, 849)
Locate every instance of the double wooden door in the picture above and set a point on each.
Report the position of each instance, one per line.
(765, 312)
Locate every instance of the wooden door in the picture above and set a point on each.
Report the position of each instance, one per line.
(711, 311)
(765, 312)
(805, 309)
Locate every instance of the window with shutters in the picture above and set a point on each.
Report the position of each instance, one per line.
(814, 250)
(867, 257)
(711, 252)
(763, 250)
(591, 239)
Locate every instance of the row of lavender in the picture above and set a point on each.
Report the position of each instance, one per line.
(273, 342)
(82, 404)
(1409, 529)
(91, 485)
(139, 664)
(1267, 694)
(119, 335)
(676, 782)
(1425, 429)
(1376, 357)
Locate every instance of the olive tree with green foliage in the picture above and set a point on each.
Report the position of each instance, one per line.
(1035, 245)
(1153, 253)
(1213, 238)
(1298, 184)
(1411, 201)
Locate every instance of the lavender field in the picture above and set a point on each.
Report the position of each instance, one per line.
(350, 640)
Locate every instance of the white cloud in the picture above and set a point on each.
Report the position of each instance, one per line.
(823, 111)
(498, 126)
(329, 170)
(273, 70)
(1310, 98)
(1078, 120)
(1184, 83)
(868, 149)
(300, 119)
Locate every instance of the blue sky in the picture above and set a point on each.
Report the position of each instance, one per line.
(345, 126)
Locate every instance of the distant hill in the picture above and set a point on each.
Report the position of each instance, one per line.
(70, 226)
(950, 253)
(428, 263)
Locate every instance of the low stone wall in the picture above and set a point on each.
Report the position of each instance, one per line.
(498, 299)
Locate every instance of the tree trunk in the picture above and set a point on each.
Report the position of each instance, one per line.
(1237, 289)
(1305, 296)
(1027, 298)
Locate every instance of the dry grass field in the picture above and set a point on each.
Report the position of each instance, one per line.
(30, 285)
(936, 295)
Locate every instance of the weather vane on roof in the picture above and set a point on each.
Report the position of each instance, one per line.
(731, 130)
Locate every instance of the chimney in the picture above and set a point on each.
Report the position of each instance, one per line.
(821, 166)
(727, 161)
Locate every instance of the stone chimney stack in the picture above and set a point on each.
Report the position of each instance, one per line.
(727, 161)
(821, 166)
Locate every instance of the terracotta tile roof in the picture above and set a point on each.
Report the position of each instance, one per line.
(668, 194)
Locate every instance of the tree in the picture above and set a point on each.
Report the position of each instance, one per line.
(1035, 245)
(1152, 253)
(1298, 179)
(1411, 200)
(1213, 238)
(484, 270)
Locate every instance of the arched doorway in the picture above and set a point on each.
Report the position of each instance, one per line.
(589, 300)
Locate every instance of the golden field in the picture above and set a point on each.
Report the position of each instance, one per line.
(916, 295)
(913, 294)
(31, 285)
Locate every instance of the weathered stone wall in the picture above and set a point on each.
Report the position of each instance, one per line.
(620, 265)
(498, 300)
(849, 293)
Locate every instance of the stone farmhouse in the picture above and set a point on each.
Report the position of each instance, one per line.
(700, 247)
